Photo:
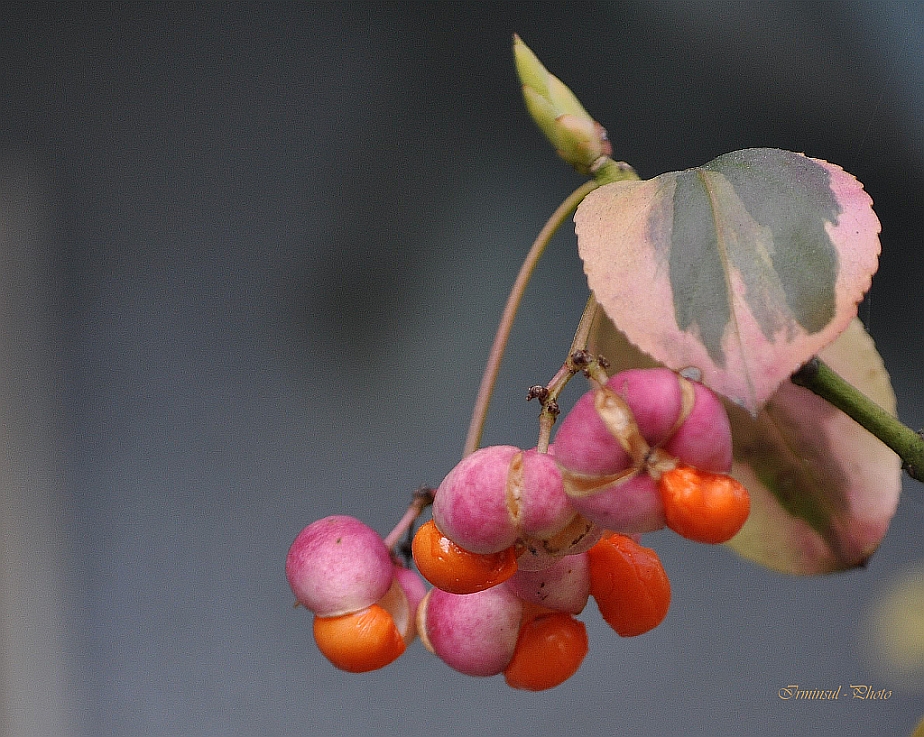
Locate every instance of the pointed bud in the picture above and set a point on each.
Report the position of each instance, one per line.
(577, 137)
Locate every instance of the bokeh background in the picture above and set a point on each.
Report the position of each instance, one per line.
(251, 261)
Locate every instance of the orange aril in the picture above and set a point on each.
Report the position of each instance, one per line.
(361, 641)
(629, 585)
(703, 506)
(550, 649)
(456, 570)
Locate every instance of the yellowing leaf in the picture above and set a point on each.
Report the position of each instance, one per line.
(743, 268)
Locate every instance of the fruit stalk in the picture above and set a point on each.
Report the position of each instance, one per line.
(423, 498)
(578, 360)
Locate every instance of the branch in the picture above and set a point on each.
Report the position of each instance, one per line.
(818, 378)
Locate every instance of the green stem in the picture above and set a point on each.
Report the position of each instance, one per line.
(606, 171)
(492, 367)
(817, 377)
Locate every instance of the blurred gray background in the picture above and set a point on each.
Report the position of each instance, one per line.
(251, 261)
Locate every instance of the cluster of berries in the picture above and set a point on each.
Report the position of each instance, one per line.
(521, 539)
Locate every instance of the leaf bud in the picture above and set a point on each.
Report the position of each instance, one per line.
(578, 138)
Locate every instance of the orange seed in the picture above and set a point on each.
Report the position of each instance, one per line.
(629, 585)
(550, 649)
(361, 641)
(704, 506)
(456, 570)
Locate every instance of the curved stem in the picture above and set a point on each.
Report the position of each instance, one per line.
(819, 378)
(492, 367)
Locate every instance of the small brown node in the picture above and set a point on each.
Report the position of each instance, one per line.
(424, 495)
(806, 373)
(580, 358)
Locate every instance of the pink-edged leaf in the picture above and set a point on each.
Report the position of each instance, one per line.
(743, 268)
(823, 489)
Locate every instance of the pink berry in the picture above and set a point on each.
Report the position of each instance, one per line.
(338, 565)
(563, 586)
(474, 634)
(585, 445)
(536, 496)
(499, 494)
(470, 506)
(704, 441)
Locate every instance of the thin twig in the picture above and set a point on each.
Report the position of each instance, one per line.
(423, 498)
(578, 360)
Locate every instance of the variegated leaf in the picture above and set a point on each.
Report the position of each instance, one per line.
(743, 268)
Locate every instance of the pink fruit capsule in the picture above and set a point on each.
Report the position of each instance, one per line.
(536, 498)
(474, 634)
(615, 443)
(586, 445)
(338, 565)
(499, 494)
(564, 586)
(470, 506)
